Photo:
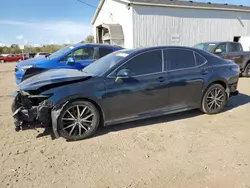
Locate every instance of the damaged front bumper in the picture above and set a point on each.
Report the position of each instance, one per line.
(30, 108)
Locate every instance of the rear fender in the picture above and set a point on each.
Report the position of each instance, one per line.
(218, 80)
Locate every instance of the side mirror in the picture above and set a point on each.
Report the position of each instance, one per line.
(218, 51)
(70, 61)
(124, 73)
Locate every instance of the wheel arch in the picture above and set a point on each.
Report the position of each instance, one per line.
(97, 105)
(220, 81)
(203, 106)
(245, 63)
(56, 110)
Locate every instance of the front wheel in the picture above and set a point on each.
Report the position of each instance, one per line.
(214, 99)
(78, 120)
(246, 72)
(1, 61)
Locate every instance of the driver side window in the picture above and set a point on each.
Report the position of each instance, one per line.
(145, 63)
(222, 47)
(81, 54)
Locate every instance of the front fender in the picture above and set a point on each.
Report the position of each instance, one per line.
(56, 110)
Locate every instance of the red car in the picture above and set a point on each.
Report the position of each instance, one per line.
(11, 58)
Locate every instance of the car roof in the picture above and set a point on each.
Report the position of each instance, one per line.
(96, 45)
(141, 49)
(218, 42)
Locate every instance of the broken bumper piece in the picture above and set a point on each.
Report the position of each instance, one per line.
(29, 108)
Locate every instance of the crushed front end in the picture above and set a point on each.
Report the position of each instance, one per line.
(30, 107)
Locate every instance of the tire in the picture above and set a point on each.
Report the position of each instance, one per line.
(208, 104)
(246, 72)
(19, 60)
(1, 61)
(73, 128)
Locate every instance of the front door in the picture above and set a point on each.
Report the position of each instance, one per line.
(82, 56)
(142, 93)
(184, 77)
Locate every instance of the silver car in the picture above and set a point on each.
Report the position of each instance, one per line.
(41, 54)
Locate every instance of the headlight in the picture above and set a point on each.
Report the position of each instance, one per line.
(24, 68)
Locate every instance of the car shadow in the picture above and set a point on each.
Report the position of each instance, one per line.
(239, 100)
(47, 130)
(236, 101)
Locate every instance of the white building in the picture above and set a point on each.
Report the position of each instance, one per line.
(135, 23)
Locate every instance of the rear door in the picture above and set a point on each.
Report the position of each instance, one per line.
(184, 77)
(235, 52)
(11, 58)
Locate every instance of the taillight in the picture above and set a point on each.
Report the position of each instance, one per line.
(231, 57)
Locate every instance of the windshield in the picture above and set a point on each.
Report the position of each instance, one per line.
(205, 46)
(102, 65)
(61, 52)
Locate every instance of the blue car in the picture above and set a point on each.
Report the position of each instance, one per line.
(72, 57)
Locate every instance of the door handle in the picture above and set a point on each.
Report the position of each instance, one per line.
(204, 72)
(161, 79)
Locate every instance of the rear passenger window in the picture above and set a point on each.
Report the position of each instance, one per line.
(175, 59)
(104, 51)
(234, 47)
(199, 59)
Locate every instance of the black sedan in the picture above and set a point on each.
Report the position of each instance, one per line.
(124, 86)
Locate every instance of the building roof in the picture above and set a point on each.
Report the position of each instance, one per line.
(192, 4)
(179, 4)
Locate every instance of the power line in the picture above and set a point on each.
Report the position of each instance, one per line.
(87, 4)
(92, 6)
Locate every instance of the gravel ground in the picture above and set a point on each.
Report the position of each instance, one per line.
(188, 149)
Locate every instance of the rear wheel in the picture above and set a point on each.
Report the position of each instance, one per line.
(1, 61)
(78, 120)
(246, 72)
(214, 99)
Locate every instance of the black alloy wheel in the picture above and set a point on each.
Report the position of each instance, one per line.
(214, 99)
(78, 120)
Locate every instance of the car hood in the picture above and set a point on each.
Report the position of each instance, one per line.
(33, 61)
(53, 76)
